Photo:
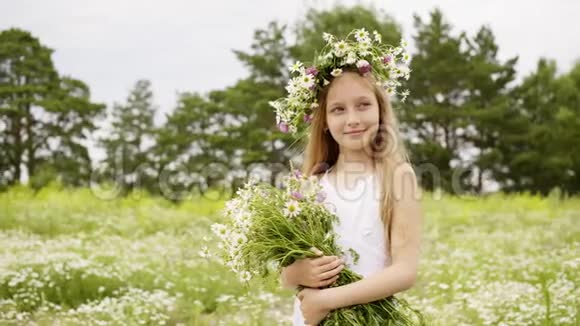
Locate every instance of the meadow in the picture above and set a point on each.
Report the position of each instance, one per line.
(68, 257)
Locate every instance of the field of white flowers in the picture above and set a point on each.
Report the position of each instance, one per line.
(69, 258)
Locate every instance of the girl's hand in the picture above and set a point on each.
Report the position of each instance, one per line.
(315, 272)
(314, 306)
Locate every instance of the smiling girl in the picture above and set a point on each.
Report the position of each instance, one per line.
(355, 149)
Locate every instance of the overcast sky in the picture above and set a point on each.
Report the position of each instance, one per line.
(186, 45)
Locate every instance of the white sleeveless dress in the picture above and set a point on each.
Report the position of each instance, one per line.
(360, 227)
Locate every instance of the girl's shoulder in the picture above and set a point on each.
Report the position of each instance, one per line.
(319, 176)
(322, 171)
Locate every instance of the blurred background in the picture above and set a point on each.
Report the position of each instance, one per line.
(124, 126)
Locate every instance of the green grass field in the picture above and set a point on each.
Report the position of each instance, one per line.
(69, 258)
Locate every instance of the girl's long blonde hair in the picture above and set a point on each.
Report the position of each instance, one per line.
(386, 148)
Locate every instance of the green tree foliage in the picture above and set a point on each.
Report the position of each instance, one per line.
(27, 78)
(539, 150)
(490, 107)
(72, 121)
(45, 119)
(467, 120)
(461, 101)
(130, 136)
(340, 21)
(434, 117)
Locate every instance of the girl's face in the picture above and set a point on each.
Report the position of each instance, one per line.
(352, 111)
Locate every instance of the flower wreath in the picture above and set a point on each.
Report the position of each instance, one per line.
(366, 54)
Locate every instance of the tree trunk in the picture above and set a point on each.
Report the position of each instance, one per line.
(31, 163)
(480, 180)
(16, 126)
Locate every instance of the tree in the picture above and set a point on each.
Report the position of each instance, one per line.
(46, 119)
(27, 77)
(434, 117)
(538, 154)
(187, 145)
(131, 136)
(210, 138)
(70, 125)
(490, 106)
(257, 140)
(340, 21)
(268, 57)
(568, 115)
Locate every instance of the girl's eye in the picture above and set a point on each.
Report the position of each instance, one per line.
(336, 109)
(365, 104)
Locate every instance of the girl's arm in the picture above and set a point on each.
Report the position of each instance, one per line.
(405, 248)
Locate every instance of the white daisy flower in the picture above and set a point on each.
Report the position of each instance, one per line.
(204, 252)
(351, 58)
(245, 276)
(232, 206)
(239, 239)
(340, 48)
(364, 48)
(276, 105)
(307, 81)
(296, 66)
(325, 82)
(364, 52)
(293, 102)
(327, 37)
(336, 72)
(220, 230)
(404, 43)
(377, 36)
(292, 209)
(361, 35)
(293, 85)
(403, 71)
(404, 95)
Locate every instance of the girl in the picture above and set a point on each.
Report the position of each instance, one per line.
(369, 181)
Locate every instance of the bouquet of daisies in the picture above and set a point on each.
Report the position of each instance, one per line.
(266, 226)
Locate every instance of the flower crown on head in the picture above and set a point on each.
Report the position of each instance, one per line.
(366, 54)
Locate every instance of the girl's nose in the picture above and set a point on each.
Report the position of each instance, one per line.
(353, 119)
